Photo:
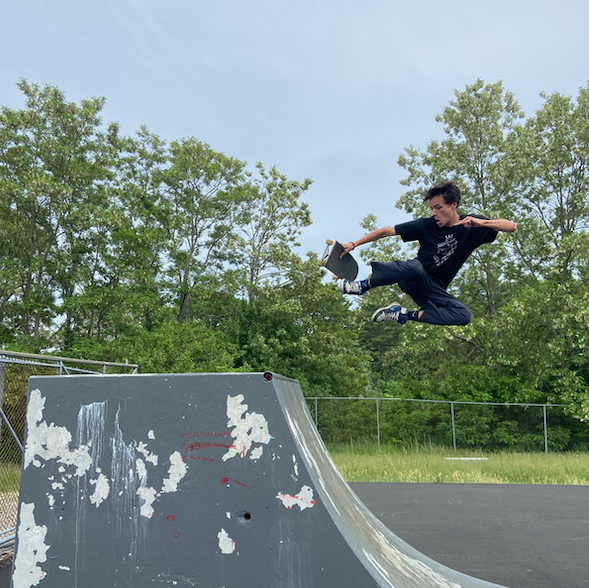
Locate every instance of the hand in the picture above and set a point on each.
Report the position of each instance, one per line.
(471, 222)
(347, 248)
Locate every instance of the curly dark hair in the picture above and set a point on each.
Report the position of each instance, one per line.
(448, 189)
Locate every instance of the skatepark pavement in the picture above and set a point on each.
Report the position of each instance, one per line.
(522, 536)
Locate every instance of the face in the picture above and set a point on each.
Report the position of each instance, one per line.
(444, 214)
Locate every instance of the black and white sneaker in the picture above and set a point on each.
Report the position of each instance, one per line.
(348, 287)
(393, 312)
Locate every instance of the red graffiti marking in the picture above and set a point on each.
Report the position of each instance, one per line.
(226, 481)
(171, 518)
(194, 434)
(199, 458)
(176, 535)
(203, 445)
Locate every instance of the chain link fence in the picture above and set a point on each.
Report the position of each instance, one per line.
(476, 426)
(403, 422)
(15, 371)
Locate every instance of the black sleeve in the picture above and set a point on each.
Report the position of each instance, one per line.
(409, 231)
(485, 235)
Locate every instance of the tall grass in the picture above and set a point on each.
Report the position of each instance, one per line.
(9, 477)
(368, 463)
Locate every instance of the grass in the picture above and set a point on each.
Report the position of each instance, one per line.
(390, 464)
(368, 463)
(9, 477)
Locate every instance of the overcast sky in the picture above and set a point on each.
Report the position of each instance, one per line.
(330, 90)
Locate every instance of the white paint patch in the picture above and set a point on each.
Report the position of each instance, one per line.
(51, 442)
(57, 486)
(64, 568)
(148, 455)
(148, 496)
(304, 499)
(247, 427)
(226, 544)
(50, 500)
(31, 549)
(151, 435)
(228, 515)
(257, 453)
(296, 465)
(176, 472)
(140, 468)
(101, 490)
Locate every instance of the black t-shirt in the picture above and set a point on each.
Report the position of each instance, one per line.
(443, 250)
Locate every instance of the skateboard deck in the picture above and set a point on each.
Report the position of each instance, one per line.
(346, 267)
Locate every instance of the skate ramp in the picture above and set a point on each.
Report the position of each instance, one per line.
(215, 480)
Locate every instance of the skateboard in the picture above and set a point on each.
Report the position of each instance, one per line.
(346, 267)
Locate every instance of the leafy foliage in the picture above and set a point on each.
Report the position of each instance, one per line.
(180, 258)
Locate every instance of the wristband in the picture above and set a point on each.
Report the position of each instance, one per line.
(354, 245)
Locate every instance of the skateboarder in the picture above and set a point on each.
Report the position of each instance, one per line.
(446, 240)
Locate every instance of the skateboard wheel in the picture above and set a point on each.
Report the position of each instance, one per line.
(329, 241)
(321, 263)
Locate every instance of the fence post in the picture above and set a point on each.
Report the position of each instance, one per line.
(316, 421)
(545, 429)
(377, 423)
(2, 372)
(453, 426)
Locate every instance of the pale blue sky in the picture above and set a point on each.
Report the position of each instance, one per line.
(332, 90)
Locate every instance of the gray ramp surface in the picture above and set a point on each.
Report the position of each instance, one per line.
(215, 480)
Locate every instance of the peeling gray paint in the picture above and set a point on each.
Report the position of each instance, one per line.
(134, 480)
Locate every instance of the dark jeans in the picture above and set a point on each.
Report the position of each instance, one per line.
(440, 308)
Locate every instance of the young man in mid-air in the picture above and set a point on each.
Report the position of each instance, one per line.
(446, 240)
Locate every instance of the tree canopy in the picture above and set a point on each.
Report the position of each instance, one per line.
(182, 258)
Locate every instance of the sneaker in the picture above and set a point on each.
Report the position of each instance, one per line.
(393, 312)
(351, 287)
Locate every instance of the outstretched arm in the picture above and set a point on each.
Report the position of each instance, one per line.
(500, 224)
(368, 238)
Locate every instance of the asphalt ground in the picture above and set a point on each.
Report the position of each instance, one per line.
(518, 536)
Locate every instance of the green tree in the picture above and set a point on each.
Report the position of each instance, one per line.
(303, 329)
(143, 231)
(276, 218)
(209, 200)
(532, 345)
(168, 347)
(55, 164)
(543, 330)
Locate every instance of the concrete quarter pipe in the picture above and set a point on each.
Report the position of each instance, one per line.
(217, 480)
